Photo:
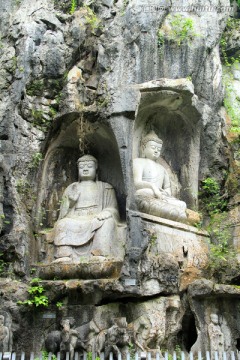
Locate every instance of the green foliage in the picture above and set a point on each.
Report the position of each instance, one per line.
(232, 24)
(231, 100)
(92, 19)
(222, 253)
(211, 200)
(40, 120)
(73, 6)
(177, 350)
(59, 304)
(37, 115)
(35, 88)
(220, 236)
(36, 297)
(22, 186)
(125, 4)
(131, 350)
(181, 30)
(3, 217)
(161, 40)
(37, 158)
(91, 357)
(45, 356)
(152, 238)
(52, 111)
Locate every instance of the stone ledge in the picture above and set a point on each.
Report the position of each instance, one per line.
(91, 269)
(170, 223)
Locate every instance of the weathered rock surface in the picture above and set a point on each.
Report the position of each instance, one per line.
(107, 78)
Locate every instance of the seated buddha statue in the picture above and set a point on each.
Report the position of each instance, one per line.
(152, 183)
(88, 217)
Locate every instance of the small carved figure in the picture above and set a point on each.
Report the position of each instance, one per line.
(88, 216)
(153, 189)
(53, 341)
(4, 336)
(117, 337)
(147, 336)
(215, 334)
(69, 338)
(114, 339)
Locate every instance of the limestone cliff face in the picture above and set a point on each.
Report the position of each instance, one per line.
(105, 74)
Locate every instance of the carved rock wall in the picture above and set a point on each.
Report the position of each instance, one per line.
(58, 69)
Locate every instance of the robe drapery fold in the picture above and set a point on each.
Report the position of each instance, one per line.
(77, 226)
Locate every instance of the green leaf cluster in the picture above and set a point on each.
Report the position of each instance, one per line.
(231, 100)
(222, 255)
(231, 25)
(92, 19)
(211, 200)
(36, 160)
(36, 297)
(73, 6)
(45, 356)
(181, 29)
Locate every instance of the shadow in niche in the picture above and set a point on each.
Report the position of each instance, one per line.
(238, 344)
(60, 168)
(188, 335)
(235, 281)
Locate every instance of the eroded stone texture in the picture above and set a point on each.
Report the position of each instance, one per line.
(58, 72)
(5, 332)
(220, 330)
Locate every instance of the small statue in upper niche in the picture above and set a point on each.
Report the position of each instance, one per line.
(153, 189)
(88, 216)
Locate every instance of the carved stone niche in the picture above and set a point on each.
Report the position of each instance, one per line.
(216, 311)
(81, 257)
(169, 107)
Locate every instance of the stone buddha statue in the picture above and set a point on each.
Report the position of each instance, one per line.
(88, 217)
(152, 183)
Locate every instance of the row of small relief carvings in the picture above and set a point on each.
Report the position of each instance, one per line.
(175, 355)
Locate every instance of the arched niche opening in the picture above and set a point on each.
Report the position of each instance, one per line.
(60, 167)
(171, 113)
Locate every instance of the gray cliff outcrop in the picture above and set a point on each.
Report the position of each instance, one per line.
(94, 77)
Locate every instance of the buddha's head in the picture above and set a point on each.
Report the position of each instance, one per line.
(151, 146)
(87, 167)
(214, 318)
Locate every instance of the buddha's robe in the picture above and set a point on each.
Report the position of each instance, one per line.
(147, 172)
(78, 224)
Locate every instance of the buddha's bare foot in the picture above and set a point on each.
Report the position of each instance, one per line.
(65, 259)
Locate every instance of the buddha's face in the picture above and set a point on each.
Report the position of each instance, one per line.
(152, 150)
(87, 170)
(214, 318)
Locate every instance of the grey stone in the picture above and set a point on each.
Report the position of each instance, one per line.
(126, 82)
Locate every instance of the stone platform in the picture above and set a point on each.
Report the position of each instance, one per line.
(175, 254)
(187, 243)
(85, 270)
